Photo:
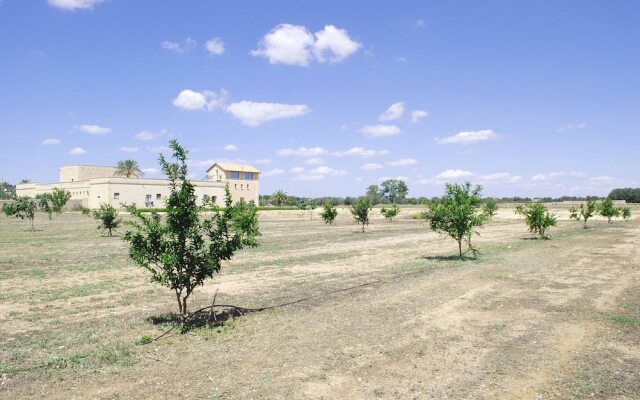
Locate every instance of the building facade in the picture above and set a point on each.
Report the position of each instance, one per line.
(92, 186)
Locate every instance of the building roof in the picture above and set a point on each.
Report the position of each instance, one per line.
(234, 167)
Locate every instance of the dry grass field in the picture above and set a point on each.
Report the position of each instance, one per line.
(385, 314)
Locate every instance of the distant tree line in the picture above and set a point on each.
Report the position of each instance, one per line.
(7, 191)
(630, 195)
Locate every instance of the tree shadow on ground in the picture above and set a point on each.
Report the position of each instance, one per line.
(200, 319)
(449, 258)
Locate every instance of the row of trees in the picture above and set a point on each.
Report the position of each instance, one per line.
(25, 207)
(606, 209)
(630, 195)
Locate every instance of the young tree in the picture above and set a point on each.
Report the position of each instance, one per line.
(538, 219)
(626, 213)
(394, 190)
(490, 207)
(59, 198)
(128, 169)
(391, 212)
(108, 217)
(329, 213)
(608, 210)
(185, 248)
(279, 198)
(45, 204)
(360, 211)
(584, 213)
(457, 214)
(23, 207)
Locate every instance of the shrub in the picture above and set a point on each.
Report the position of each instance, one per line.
(626, 213)
(23, 207)
(44, 203)
(59, 198)
(391, 212)
(457, 214)
(360, 211)
(608, 210)
(490, 207)
(329, 213)
(537, 218)
(183, 249)
(108, 217)
(584, 213)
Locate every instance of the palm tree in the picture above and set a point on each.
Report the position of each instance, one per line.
(279, 198)
(128, 168)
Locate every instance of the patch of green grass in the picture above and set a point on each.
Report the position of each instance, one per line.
(624, 320)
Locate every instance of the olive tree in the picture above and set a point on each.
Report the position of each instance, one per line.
(608, 210)
(490, 207)
(329, 213)
(584, 213)
(538, 218)
(23, 207)
(185, 248)
(108, 218)
(391, 212)
(360, 211)
(457, 214)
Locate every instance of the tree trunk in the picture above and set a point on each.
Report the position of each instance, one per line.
(32, 230)
(460, 248)
(363, 227)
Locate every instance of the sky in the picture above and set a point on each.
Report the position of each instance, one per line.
(527, 98)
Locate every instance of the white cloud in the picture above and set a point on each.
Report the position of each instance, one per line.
(150, 171)
(295, 45)
(314, 161)
(334, 45)
(395, 111)
(468, 137)
(262, 161)
(93, 129)
(500, 177)
(419, 24)
(273, 172)
(74, 4)
(49, 142)
(404, 162)
(253, 114)
(77, 151)
(454, 174)
(539, 177)
(400, 60)
(372, 131)
(296, 170)
(128, 149)
(231, 147)
(145, 135)
(417, 115)
(324, 170)
(215, 46)
(574, 174)
(358, 179)
(159, 149)
(571, 127)
(199, 101)
(179, 48)
(371, 167)
(309, 177)
(302, 152)
(361, 152)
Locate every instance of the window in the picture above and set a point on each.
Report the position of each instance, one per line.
(248, 176)
(241, 186)
(235, 186)
(158, 196)
(247, 186)
(214, 199)
(234, 175)
(116, 196)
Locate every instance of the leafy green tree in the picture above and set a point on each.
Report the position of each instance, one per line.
(108, 218)
(44, 203)
(348, 201)
(608, 210)
(373, 194)
(7, 191)
(490, 207)
(23, 207)
(394, 190)
(457, 214)
(584, 213)
(360, 211)
(185, 248)
(59, 198)
(630, 195)
(279, 198)
(329, 213)
(538, 219)
(626, 213)
(128, 169)
(391, 212)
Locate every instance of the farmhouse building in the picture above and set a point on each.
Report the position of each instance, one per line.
(91, 186)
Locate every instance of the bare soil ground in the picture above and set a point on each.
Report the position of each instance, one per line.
(386, 314)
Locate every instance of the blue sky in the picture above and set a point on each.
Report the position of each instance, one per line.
(529, 98)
